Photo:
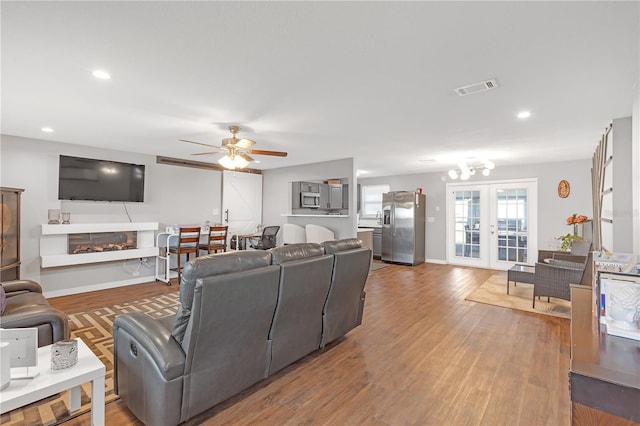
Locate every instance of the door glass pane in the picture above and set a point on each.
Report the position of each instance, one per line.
(467, 224)
(512, 225)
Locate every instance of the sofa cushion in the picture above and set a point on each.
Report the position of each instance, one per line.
(298, 251)
(331, 247)
(211, 265)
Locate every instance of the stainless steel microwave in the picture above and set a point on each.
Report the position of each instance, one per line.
(310, 200)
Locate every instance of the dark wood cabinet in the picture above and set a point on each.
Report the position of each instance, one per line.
(604, 374)
(10, 234)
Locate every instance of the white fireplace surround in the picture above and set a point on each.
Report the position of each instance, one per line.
(54, 244)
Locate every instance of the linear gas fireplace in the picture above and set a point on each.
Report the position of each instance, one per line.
(83, 243)
(100, 242)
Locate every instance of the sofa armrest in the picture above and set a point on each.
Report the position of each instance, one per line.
(36, 316)
(156, 340)
(13, 288)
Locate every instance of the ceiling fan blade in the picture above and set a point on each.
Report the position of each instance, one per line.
(245, 156)
(238, 143)
(199, 143)
(264, 152)
(209, 153)
(244, 143)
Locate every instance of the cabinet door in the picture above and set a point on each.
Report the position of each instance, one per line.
(325, 198)
(10, 235)
(335, 196)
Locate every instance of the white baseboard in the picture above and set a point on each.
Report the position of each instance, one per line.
(101, 286)
(439, 261)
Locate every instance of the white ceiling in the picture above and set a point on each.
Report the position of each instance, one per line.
(323, 80)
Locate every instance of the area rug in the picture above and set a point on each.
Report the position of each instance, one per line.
(377, 265)
(494, 292)
(95, 329)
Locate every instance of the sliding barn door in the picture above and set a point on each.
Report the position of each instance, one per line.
(241, 201)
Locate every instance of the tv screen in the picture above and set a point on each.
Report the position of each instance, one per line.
(100, 180)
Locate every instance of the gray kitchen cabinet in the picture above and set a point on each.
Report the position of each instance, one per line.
(330, 196)
(377, 243)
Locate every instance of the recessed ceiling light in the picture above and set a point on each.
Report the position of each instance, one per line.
(47, 129)
(524, 114)
(102, 75)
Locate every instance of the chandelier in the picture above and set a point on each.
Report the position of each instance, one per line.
(469, 168)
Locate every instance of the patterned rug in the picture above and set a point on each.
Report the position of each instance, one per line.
(494, 292)
(95, 329)
(378, 264)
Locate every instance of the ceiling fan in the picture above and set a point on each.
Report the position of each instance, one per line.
(237, 150)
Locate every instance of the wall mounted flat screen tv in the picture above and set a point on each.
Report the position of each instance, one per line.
(99, 180)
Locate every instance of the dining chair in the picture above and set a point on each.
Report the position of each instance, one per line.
(267, 240)
(318, 234)
(217, 240)
(292, 234)
(188, 241)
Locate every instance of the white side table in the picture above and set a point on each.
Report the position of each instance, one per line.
(50, 382)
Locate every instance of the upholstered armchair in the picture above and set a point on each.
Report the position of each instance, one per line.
(26, 307)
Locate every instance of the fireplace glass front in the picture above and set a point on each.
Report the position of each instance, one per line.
(98, 242)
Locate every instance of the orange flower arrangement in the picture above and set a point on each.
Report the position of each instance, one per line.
(576, 218)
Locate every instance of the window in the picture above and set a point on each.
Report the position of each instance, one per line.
(371, 201)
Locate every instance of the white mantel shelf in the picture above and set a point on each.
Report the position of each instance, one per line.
(79, 228)
(54, 245)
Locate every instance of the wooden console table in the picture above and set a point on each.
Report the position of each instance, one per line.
(604, 374)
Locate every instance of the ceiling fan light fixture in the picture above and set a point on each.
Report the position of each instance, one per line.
(237, 162)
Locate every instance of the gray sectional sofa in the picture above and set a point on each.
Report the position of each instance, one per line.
(242, 317)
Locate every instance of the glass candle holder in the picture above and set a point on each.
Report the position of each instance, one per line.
(66, 217)
(54, 216)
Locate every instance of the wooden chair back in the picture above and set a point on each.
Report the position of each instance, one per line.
(217, 239)
(188, 241)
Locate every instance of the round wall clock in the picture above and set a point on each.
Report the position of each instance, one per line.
(563, 189)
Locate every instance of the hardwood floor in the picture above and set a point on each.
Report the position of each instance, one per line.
(423, 355)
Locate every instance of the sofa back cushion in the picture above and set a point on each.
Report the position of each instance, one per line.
(211, 265)
(305, 277)
(345, 302)
(297, 251)
(331, 247)
(226, 341)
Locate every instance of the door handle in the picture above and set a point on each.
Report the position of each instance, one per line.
(226, 216)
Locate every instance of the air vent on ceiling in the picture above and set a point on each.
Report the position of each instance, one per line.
(477, 87)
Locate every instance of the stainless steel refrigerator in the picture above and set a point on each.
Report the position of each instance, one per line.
(403, 227)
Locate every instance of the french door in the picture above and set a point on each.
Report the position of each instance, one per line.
(492, 225)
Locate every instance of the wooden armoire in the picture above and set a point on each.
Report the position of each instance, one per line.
(10, 234)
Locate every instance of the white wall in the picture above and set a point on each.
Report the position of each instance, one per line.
(276, 195)
(552, 210)
(172, 195)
